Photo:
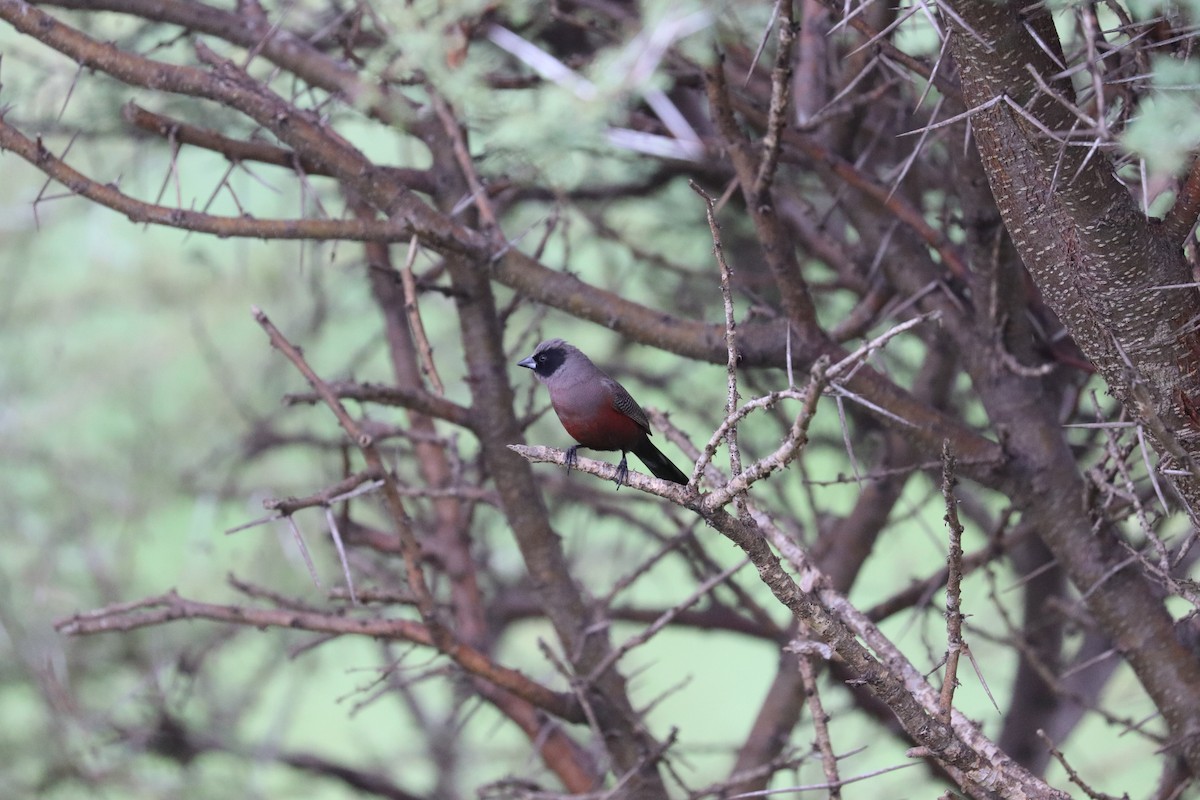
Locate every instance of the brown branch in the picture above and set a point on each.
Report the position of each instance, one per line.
(922, 591)
(230, 85)
(663, 620)
(959, 746)
(602, 469)
(405, 397)
(393, 499)
(257, 34)
(239, 150)
(820, 723)
(324, 498)
(781, 92)
(356, 779)
(954, 640)
(879, 40)
(774, 241)
(439, 636)
(385, 230)
(412, 310)
(169, 607)
(1071, 773)
(894, 202)
(731, 350)
(462, 155)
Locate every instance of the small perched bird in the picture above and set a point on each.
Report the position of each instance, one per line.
(596, 410)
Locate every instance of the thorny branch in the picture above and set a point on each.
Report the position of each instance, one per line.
(841, 227)
(954, 617)
(169, 607)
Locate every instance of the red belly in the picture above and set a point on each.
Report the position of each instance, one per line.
(605, 429)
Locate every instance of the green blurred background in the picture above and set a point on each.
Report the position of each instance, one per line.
(133, 384)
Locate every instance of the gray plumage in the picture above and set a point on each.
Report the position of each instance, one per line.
(595, 409)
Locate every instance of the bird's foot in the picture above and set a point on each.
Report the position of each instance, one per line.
(622, 472)
(571, 458)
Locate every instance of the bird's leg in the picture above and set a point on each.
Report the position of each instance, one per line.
(622, 471)
(571, 457)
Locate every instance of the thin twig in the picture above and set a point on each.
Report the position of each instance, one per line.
(1071, 773)
(816, 787)
(602, 469)
(820, 723)
(954, 642)
(781, 92)
(478, 191)
(731, 352)
(415, 323)
(789, 448)
(671, 613)
(154, 611)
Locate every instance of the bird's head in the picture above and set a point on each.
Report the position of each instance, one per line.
(547, 358)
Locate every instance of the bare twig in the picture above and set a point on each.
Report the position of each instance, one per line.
(602, 469)
(827, 785)
(781, 91)
(478, 192)
(789, 448)
(820, 723)
(415, 323)
(731, 352)
(105, 194)
(1071, 773)
(703, 589)
(954, 642)
(153, 611)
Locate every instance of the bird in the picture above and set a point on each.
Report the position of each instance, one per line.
(597, 411)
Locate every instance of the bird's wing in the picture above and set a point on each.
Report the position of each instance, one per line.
(622, 401)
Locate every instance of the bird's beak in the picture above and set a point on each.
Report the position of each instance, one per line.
(527, 363)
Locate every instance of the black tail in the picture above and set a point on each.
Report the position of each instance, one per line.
(658, 464)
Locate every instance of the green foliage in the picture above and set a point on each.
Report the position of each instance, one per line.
(1171, 10)
(1167, 127)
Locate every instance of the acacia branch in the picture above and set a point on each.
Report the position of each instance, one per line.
(256, 34)
(169, 607)
(1102, 265)
(438, 635)
(1100, 275)
(408, 216)
(954, 640)
(402, 396)
(667, 490)
(773, 238)
(230, 85)
(959, 746)
(109, 196)
(238, 150)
